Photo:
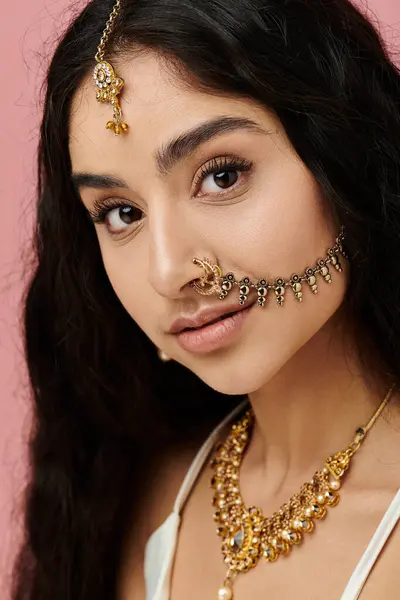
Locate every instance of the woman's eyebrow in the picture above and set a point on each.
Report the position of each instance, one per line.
(97, 181)
(186, 143)
(174, 151)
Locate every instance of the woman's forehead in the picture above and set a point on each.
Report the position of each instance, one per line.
(157, 106)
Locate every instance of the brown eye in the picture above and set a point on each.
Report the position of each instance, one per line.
(220, 180)
(125, 214)
(221, 174)
(225, 179)
(122, 216)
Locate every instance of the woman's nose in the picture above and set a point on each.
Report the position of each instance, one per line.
(173, 243)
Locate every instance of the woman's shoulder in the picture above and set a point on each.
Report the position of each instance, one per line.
(175, 470)
(158, 494)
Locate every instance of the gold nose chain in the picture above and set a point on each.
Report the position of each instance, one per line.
(248, 536)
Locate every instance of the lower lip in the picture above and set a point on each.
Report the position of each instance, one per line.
(215, 336)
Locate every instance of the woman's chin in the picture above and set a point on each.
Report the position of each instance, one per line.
(238, 379)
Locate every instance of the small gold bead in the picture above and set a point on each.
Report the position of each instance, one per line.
(307, 525)
(319, 511)
(295, 538)
(280, 290)
(332, 498)
(270, 554)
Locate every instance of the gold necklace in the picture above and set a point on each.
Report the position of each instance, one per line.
(247, 536)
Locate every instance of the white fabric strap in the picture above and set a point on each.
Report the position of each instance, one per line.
(368, 559)
(159, 558)
(201, 458)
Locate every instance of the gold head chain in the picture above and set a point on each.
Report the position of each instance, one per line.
(109, 84)
(246, 535)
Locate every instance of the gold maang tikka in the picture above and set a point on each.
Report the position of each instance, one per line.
(213, 282)
(109, 84)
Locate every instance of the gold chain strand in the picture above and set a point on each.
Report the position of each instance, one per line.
(376, 416)
(248, 536)
(108, 83)
(107, 31)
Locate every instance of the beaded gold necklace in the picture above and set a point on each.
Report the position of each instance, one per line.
(247, 536)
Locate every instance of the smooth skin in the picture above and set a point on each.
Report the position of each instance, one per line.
(265, 217)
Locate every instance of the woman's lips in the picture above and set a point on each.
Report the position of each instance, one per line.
(215, 335)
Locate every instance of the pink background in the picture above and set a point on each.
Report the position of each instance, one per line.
(27, 36)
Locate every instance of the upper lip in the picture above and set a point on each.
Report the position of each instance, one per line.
(206, 316)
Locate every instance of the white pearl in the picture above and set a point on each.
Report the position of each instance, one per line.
(334, 484)
(225, 593)
(296, 524)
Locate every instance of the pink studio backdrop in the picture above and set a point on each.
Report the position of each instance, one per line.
(27, 36)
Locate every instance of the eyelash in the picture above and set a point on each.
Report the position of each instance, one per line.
(222, 163)
(98, 213)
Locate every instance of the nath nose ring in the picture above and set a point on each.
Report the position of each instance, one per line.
(209, 284)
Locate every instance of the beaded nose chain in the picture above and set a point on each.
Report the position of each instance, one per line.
(214, 282)
(247, 536)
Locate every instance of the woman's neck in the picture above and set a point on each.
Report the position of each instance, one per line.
(311, 408)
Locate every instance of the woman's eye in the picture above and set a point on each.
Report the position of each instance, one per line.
(222, 180)
(121, 217)
(222, 174)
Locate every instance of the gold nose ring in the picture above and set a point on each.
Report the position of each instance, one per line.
(209, 284)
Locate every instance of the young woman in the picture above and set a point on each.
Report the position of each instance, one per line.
(217, 242)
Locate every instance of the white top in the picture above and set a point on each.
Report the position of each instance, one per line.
(161, 546)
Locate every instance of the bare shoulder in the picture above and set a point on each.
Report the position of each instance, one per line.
(156, 504)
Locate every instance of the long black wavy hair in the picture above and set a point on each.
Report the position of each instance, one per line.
(104, 406)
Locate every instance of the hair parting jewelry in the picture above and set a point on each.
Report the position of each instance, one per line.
(109, 84)
(248, 536)
(213, 282)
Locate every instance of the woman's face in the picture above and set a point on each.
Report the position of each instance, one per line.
(202, 175)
